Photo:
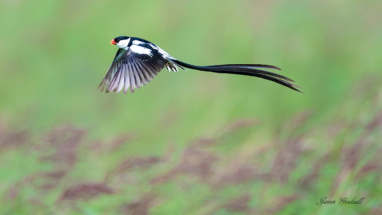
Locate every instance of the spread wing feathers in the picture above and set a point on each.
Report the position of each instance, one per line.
(172, 66)
(132, 70)
(138, 65)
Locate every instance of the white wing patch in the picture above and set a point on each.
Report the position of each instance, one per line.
(170, 65)
(161, 51)
(137, 42)
(154, 46)
(141, 50)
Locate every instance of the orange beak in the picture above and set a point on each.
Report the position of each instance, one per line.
(113, 42)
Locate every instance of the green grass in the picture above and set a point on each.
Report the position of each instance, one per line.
(285, 152)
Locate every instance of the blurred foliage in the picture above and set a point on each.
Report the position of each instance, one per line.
(191, 142)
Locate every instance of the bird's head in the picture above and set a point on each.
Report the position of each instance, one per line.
(121, 41)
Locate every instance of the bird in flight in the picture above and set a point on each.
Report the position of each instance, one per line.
(137, 62)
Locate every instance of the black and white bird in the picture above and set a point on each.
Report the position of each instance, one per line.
(137, 62)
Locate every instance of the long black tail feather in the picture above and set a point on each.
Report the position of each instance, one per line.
(245, 69)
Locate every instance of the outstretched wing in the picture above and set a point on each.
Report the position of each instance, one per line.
(132, 68)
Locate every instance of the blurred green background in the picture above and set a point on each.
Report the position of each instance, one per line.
(191, 142)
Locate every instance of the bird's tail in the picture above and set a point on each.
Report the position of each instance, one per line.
(255, 70)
